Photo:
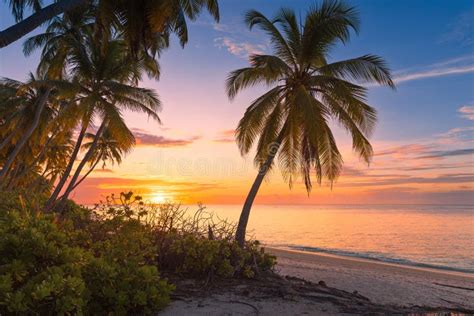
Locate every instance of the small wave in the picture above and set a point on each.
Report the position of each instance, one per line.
(376, 257)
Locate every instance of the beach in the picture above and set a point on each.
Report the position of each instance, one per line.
(382, 283)
(321, 284)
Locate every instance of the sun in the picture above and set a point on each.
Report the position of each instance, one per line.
(159, 197)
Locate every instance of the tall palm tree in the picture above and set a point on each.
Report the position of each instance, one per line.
(291, 119)
(141, 21)
(105, 77)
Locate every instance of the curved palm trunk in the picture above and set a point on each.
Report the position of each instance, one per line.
(85, 176)
(6, 140)
(244, 216)
(39, 109)
(68, 169)
(86, 158)
(27, 25)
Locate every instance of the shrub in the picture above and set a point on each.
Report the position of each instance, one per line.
(40, 272)
(49, 267)
(197, 245)
(106, 260)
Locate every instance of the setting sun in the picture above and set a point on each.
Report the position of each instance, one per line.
(159, 197)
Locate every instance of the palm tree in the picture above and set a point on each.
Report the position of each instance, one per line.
(141, 21)
(29, 99)
(291, 119)
(110, 147)
(105, 77)
(57, 40)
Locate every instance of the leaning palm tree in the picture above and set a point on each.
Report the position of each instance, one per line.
(291, 119)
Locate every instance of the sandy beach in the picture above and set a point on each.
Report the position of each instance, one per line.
(382, 283)
(336, 286)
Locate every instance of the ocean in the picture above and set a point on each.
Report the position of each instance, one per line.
(434, 236)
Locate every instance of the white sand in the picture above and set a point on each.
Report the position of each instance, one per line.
(382, 283)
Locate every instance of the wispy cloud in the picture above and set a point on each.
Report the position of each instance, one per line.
(238, 48)
(445, 178)
(226, 136)
(448, 153)
(460, 31)
(457, 136)
(144, 138)
(467, 111)
(409, 149)
(458, 65)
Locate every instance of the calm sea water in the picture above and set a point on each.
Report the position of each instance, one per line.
(438, 236)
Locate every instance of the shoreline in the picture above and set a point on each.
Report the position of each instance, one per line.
(415, 266)
(381, 282)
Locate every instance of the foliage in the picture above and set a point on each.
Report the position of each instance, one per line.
(40, 269)
(197, 245)
(20, 200)
(306, 92)
(199, 257)
(51, 266)
(106, 260)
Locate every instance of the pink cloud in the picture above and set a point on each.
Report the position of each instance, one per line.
(144, 138)
(467, 112)
(240, 49)
(226, 136)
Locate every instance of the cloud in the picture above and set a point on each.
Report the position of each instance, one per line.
(104, 170)
(460, 31)
(441, 179)
(458, 135)
(143, 138)
(458, 65)
(448, 153)
(239, 49)
(226, 136)
(467, 111)
(410, 149)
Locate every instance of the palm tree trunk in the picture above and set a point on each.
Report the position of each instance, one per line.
(27, 25)
(85, 176)
(6, 140)
(67, 171)
(39, 109)
(86, 158)
(244, 216)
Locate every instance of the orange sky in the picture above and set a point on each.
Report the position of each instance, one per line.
(210, 170)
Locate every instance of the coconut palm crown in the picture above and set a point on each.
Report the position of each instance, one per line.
(291, 120)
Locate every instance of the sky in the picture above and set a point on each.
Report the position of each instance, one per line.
(424, 140)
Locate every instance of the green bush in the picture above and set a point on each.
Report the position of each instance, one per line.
(199, 257)
(106, 260)
(49, 267)
(40, 271)
(124, 288)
